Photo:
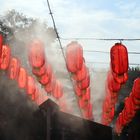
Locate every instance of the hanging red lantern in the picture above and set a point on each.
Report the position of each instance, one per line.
(78, 91)
(112, 84)
(36, 54)
(84, 83)
(82, 103)
(14, 68)
(57, 90)
(39, 71)
(119, 59)
(5, 57)
(136, 88)
(129, 107)
(1, 43)
(50, 86)
(74, 57)
(113, 96)
(121, 79)
(22, 78)
(30, 85)
(81, 74)
(44, 79)
(88, 112)
(135, 101)
(86, 95)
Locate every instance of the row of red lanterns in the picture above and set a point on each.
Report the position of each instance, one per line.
(80, 76)
(42, 69)
(132, 104)
(17, 72)
(117, 76)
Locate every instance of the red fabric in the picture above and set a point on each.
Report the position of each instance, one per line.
(57, 90)
(74, 57)
(1, 43)
(36, 54)
(5, 57)
(22, 78)
(81, 74)
(119, 58)
(30, 85)
(14, 68)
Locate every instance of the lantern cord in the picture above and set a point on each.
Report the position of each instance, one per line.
(105, 39)
(60, 44)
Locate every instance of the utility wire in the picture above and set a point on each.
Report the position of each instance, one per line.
(105, 39)
(55, 29)
(105, 52)
(108, 52)
(104, 63)
(60, 44)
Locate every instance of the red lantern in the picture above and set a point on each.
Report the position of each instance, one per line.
(86, 95)
(1, 43)
(30, 85)
(44, 79)
(112, 84)
(88, 112)
(57, 90)
(50, 86)
(78, 91)
(5, 57)
(22, 78)
(119, 59)
(82, 103)
(113, 96)
(39, 71)
(84, 83)
(81, 74)
(136, 88)
(74, 57)
(121, 79)
(135, 101)
(129, 107)
(36, 54)
(14, 68)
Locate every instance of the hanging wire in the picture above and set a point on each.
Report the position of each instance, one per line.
(60, 44)
(106, 39)
(105, 63)
(90, 51)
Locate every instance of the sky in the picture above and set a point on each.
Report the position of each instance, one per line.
(88, 19)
